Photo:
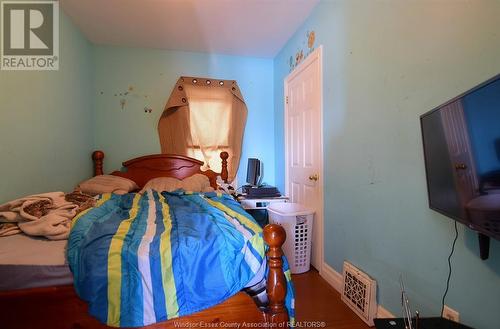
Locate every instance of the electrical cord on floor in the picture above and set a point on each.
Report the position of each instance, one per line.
(449, 268)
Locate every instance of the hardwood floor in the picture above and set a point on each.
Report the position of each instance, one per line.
(316, 300)
(59, 308)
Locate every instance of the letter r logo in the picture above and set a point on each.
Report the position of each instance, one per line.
(28, 28)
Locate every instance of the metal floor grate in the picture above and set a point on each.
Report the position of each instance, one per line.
(359, 293)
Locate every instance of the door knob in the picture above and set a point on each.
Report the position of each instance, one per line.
(314, 177)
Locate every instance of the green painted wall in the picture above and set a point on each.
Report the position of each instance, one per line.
(129, 132)
(46, 131)
(386, 63)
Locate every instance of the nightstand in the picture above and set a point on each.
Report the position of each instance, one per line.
(258, 207)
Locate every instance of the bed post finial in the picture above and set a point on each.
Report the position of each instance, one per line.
(277, 315)
(224, 173)
(97, 157)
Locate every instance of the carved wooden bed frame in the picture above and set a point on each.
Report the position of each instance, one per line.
(144, 168)
(59, 307)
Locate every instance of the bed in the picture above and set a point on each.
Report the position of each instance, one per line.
(61, 303)
(21, 268)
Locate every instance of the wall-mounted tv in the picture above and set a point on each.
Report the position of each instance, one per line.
(461, 140)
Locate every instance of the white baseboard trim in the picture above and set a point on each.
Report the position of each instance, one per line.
(334, 278)
(331, 276)
(384, 313)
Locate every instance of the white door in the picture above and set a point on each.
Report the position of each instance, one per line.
(303, 144)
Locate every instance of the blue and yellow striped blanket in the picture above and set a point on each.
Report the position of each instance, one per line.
(140, 259)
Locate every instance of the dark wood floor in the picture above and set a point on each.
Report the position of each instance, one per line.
(316, 300)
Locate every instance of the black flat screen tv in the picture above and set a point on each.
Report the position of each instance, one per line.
(461, 140)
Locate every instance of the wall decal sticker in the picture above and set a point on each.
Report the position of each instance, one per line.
(127, 97)
(299, 56)
(303, 51)
(311, 38)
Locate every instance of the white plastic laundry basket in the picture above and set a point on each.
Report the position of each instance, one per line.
(297, 221)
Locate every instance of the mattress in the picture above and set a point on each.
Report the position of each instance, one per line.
(30, 262)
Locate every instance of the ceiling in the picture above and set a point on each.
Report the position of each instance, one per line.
(258, 28)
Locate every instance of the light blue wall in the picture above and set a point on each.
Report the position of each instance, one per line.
(386, 63)
(129, 132)
(46, 122)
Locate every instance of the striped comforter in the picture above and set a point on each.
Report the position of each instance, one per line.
(140, 259)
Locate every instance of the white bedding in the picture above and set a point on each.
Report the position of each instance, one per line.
(20, 249)
(29, 262)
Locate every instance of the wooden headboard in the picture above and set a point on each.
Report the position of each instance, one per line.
(144, 168)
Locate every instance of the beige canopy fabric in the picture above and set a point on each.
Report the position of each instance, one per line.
(202, 118)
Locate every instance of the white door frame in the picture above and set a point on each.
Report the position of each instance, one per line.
(317, 54)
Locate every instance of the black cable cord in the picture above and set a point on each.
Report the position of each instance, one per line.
(449, 268)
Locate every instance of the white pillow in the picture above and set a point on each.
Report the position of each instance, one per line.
(107, 184)
(195, 183)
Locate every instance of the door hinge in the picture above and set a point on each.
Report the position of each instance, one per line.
(286, 99)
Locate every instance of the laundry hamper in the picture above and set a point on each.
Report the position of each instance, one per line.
(297, 220)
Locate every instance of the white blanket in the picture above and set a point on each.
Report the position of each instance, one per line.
(54, 225)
